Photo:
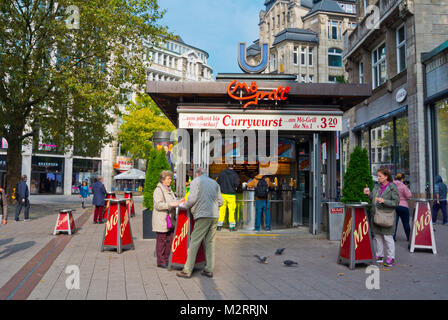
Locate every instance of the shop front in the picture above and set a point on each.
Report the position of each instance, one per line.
(47, 175)
(84, 170)
(268, 125)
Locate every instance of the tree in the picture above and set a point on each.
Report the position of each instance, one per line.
(157, 163)
(65, 65)
(138, 126)
(357, 177)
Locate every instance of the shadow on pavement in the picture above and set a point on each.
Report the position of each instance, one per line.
(11, 249)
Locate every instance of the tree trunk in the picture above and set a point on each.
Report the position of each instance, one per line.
(13, 164)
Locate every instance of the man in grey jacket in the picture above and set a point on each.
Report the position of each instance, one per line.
(204, 201)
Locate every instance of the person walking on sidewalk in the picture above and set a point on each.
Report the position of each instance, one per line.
(99, 196)
(440, 193)
(164, 207)
(262, 186)
(22, 199)
(386, 197)
(204, 200)
(84, 193)
(3, 206)
(403, 207)
(228, 181)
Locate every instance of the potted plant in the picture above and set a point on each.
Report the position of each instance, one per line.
(157, 163)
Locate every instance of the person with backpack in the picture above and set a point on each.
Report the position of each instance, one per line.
(440, 201)
(262, 184)
(84, 193)
(228, 181)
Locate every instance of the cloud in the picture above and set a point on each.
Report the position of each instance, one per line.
(214, 26)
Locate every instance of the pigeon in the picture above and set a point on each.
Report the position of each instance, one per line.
(261, 259)
(289, 263)
(279, 251)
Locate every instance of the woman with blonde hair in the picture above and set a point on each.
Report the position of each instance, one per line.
(163, 217)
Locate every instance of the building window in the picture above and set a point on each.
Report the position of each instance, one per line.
(303, 56)
(365, 2)
(332, 79)
(274, 62)
(310, 78)
(284, 19)
(379, 74)
(310, 56)
(296, 56)
(441, 119)
(333, 34)
(303, 78)
(335, 57)
(401, 48)
(361, 72)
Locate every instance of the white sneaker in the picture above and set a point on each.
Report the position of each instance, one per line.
(26, 220)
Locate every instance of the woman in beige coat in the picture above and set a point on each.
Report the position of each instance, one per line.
(164, 204)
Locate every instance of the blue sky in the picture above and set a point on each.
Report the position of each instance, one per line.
(216, 26)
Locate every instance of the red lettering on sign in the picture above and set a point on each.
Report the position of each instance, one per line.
(252, 93)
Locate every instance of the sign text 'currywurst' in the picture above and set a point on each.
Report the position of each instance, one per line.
(260, 122)
(241, 92)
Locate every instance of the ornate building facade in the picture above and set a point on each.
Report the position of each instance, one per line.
(305, 37)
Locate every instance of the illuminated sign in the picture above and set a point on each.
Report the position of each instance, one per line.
(241, 92)
(246, 67)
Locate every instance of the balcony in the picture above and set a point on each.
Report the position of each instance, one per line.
(367, 25)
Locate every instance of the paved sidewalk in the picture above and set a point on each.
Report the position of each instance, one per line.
(134, 274)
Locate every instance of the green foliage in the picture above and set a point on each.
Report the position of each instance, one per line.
(139, 125)
(357, 177)
(62, 85)
(341, 79)
(157, 163)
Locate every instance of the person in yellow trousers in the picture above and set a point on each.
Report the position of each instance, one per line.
(228, 181)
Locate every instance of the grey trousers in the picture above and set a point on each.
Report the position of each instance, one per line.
(204, 229)
(382, 241)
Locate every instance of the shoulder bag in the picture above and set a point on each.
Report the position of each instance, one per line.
(383, 217)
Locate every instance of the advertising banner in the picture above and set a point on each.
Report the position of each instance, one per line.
(356, 244)
(181, 241)
(117, 231)
(65, 222)
(422, 236)
(130, 203)
(260, 122)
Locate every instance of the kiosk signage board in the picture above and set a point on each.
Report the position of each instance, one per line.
(65, 222)
(181, 241)
(422, 236)
(117, 230)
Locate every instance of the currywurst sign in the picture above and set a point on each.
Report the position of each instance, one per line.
(260, 122)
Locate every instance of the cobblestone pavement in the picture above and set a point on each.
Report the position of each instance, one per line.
(237, 276)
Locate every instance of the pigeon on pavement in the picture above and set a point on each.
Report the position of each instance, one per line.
(261, 259)
(279, 251)
(289, 263)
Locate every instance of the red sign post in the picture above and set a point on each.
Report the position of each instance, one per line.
(117, 231)
(356, 242)
(130, 203)
(65, 222)
(109, 196)
(181, 241)
(422, 236)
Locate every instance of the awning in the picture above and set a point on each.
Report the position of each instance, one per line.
(382, 118)
(133, 174)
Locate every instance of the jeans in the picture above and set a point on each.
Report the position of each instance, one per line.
(435, 211)
(403, 213)
(204, 229)
(261, 205)
(21, 204)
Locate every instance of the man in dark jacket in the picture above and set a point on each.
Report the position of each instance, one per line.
(228, 181)
(99, 196)
(440, 193)
(22, 199)
(3, 206)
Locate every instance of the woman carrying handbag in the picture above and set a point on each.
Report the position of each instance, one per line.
(385, 199)
(163, 217)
